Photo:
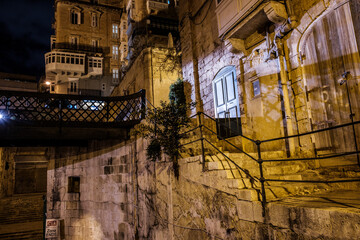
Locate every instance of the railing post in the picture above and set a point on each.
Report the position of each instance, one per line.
(143, 103)
(262, 179)
(202, 141)
(107, 111)
(345, 75)
(60, 113)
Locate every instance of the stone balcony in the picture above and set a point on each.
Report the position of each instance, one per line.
(156, 5)
(240, 18)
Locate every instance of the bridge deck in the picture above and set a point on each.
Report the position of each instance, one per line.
(31, 118)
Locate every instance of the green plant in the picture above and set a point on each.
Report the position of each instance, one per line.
(164, 124)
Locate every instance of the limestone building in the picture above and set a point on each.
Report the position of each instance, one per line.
(86, 54)
(274, 68)
(153, 58)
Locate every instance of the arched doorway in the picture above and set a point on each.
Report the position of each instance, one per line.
(226, 102)
(328, 53)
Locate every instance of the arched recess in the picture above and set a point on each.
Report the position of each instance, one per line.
(328, 51)
(226, 102)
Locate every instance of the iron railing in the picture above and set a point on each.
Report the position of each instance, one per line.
(71, 110)
(257, 156)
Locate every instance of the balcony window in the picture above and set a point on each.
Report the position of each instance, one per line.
(94, 20)
(115, 75)
(115, 52)
(95, 63)
(115, 31)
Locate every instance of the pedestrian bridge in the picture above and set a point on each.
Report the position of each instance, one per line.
(28, 118)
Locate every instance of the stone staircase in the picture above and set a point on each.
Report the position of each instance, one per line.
(223, 174)
(21, 217)
(248, 178)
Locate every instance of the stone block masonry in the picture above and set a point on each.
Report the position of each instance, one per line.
(100, 204)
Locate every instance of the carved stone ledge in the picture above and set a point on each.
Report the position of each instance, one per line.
(236, 45)
(276, 12)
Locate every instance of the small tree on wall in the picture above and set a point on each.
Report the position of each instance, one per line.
(164, 124)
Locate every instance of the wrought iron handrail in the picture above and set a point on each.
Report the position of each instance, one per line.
(69, 110)
(261, 161)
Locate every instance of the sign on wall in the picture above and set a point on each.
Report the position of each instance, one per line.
(52, 228)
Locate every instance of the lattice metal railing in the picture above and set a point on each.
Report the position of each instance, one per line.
(58, 109)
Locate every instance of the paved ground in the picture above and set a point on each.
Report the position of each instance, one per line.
(21, 217)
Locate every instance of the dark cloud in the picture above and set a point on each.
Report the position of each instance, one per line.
(25, 29)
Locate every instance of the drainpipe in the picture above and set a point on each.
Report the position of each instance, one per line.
(244, 100)
(284, 84)
(199, 104)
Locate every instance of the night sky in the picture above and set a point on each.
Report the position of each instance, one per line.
(25, 29)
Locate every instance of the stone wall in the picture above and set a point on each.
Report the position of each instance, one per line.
(154, 70)
(102, 206)
(7, 171)
(125, 196)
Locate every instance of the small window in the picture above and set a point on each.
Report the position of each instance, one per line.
(94, 20)
(115, 73)
(115, 52)
(75, 17)
(95, 44)
(115, 31)
(256, 88)
(73, 87)
(74, 41)
(74, 185)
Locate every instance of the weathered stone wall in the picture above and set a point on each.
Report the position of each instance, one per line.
(102, 208)
(154, 70)
(202, 205)
(125, 196)
(7, 171)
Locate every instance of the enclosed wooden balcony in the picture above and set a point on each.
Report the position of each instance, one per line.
(240, 18)
(64, 61)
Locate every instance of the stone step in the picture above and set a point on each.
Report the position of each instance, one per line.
(275, 190)
(234, 172)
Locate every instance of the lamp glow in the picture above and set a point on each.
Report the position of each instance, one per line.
(47, 83)
(1, 116)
